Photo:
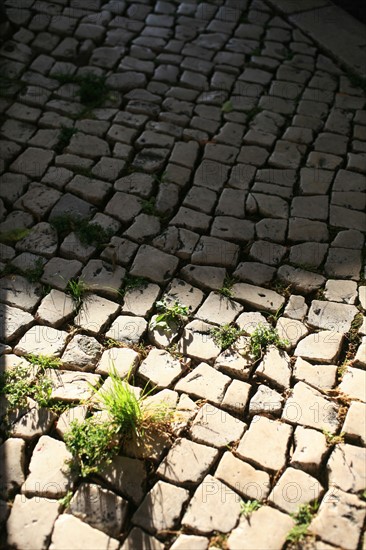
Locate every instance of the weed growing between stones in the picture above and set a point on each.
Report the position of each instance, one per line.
(32, 274)
(263, 337)
(226, 289)
(93, 90)
(333, 439)
(170, 314)
(77, 289)
(227, 107)
(65, 501)
(225, 335)
(248, 507)
(87, 232)
(13, 236)
(19, 383)
(131, 282)
(43, 361)
(64, 138)
(303, 518)
(94, 442)
(148, 207)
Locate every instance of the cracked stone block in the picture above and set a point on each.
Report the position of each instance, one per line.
(123, 360)
(144, 227)
(81, 353)
(12, 469)
(291, 330)
(31, 522)
(257, 297)
(310, 450)
(140, 301)
(331, 316)
(294, 489)
(218, 309)
(187, 462)
(184, 293)
(346, 468)
(128, 329)
(340, 291)
(186, 542)
(177, 241)
(161, 368)
(42, 239)
(35, 422)
(100, 508)
(300, 279)
(265, 444)
(101, 277)
(267, 206)
(69, 529)
(215, 427)
(161, 508)
(266, 528)
(210, 278)
(322, 377)
(119, 251)
(38, 200)
(126, 476)
(234, 363)
(17, 291)
(354, 383)
(309, 408)
(55, 309)
(49, 476)
(266, 401)
(42, 340)
(33, 162)
(339, 519)
(204, 382)
(323, 346)
(296, 308)
(275, 367)
(248, 482)
(153, 264)
(14, 322)
(197, 341)
(354, 425)
(267, 252)
(72, 386)
(57, 272)
(214, 507)
(139, 539)
(96, 313)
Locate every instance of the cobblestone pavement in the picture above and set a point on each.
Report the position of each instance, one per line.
(216, 158)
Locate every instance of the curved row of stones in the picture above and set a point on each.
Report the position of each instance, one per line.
(258, 142)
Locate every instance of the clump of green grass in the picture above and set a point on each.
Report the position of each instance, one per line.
(32, 274)
(77, 289)
(171, 314)
(333, 439)
(262, 337)
(225, 335)
(93, 90)
(303, 518)
(43, 361)
(226, 289)
(148, 207)
(88, 233)
(64, 138)
(248, 507)
(130, 282)
(94, 443)
(19, 383)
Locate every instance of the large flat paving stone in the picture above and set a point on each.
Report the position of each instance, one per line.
(294, 489)
(71, 532)
(31, 522)
(331, 316)
(14, 322)
(12, 466)
(204, 382)
(346, 468)
(257, 297)
(250, 483)
(214, 507)
(322, 347)
(213, 426)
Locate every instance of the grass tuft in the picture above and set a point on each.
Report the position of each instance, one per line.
(262, 337)
(225, 335)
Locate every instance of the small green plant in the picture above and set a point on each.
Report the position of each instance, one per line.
(43, 361)
(88, 233)
(92, 443)
(248, 507)
(64, 138)
(18, 383)
(227, 107)
(148, 207)
(363, 495)
(13, 236)
(92, 88)
(333, 439)
(171, 313)
(130, 282)
(225, 335)
(262, 337)
(77, 289)
(226, 289)
(303, 518)
(65, 501)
